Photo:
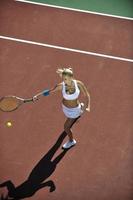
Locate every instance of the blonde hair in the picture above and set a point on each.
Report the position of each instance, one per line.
(65, 71)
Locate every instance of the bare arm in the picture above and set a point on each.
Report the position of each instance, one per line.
(86, 94)
(57, 87)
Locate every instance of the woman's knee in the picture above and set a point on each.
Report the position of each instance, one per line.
(66, 128)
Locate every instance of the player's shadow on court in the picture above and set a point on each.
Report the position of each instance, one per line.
(44, 168)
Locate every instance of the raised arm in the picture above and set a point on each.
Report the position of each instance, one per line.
(47, 92)
(86, 94)
(56, 88)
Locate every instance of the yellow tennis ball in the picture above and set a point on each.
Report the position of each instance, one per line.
(9, 124)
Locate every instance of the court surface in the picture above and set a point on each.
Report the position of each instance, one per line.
(34, 41)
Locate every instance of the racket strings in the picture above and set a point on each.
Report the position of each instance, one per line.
(9, 103)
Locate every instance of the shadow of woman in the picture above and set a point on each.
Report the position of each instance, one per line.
(43, 169)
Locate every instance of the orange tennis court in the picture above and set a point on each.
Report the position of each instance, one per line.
(34, 41)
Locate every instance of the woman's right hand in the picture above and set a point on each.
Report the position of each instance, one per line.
(35, 98)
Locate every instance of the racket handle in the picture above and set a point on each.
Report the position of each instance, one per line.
(28, 100)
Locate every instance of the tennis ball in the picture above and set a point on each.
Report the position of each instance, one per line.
(9, 124)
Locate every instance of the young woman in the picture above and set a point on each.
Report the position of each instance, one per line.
(71, 105)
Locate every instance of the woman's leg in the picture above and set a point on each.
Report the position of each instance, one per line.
(68, 125)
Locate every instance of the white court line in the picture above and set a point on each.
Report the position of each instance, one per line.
(74, 9)
(66, 49)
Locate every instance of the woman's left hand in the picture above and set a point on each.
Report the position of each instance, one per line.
(88, 109)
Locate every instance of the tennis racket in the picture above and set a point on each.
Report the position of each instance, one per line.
(11, 103)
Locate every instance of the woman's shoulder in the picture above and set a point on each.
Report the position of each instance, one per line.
(79, 82)
(59, 85)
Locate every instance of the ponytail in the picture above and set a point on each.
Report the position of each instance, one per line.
(65, 71)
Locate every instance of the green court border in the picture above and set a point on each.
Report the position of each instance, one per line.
(122, 8)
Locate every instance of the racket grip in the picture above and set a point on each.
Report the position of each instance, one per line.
(28, 100)
(46, 92)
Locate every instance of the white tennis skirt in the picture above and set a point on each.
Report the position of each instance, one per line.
(73, 112)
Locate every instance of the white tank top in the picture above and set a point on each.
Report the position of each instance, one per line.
(70, 96)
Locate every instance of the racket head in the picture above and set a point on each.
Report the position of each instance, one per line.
(10, 103)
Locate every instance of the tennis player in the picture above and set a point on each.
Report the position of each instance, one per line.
(71, 105)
